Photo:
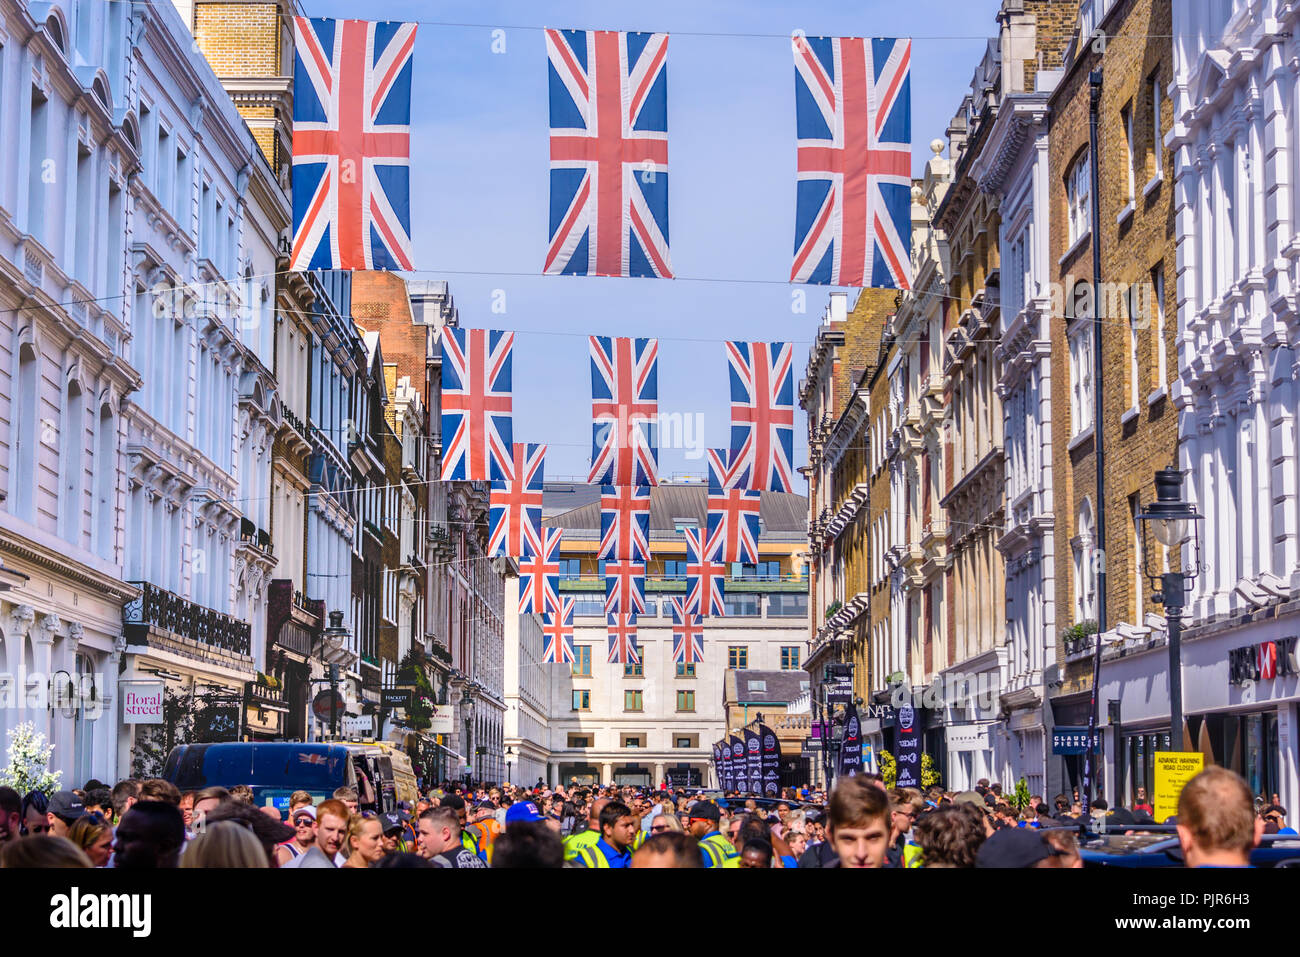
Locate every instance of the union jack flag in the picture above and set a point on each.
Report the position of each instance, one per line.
(704, 577)
(762, 415)
(539, 575)
(557, 630)
(624, 586)
(515, 508)
(853, 223)
(625, 522)
(734, 525)
(477, 405)
(352, 144)
(688, 635)
(624, 411)
(721, 474)
(622, 639)
(609, 153)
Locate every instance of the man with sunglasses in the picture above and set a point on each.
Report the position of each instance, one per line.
(304, 836)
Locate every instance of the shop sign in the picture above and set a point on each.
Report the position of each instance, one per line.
(442, 720)
(1263, 662)
(1072, 739)
(142, 702)
(968, 737)
(1173, 770)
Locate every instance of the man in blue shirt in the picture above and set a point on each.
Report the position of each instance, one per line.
(618, 826)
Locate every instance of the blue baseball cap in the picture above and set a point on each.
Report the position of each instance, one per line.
(523, 811)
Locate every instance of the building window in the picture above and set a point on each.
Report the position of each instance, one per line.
(683, 743)
(1134, 508)
(788, 606)
(1126, 118)
(579, 741)
(790, 658)
(581, 699)
(1157, 134)
(1135, 321)
(675, 569)
(632, 701)
(1081, 385)
(763, 571)
(738, 656)
(1085, 590)
(633, 669)
(582, 661)
(1158, 308)
(682, 524)
(685, 669)
(742, 606)
(632, 741)
(686, 701)
(1078, 185)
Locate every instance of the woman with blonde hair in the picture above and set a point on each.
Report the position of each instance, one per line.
(224, 844)
(365, 840)
(93, 834)
(665, 823)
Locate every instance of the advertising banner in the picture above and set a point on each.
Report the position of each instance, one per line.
(909, 748)
(771, 752)
(851, 744)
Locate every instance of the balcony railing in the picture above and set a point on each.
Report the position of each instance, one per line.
(293, 420)
(163, 609)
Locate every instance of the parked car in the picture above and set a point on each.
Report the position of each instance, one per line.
(1161, 849)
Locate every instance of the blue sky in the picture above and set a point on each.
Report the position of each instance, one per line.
(480, 182)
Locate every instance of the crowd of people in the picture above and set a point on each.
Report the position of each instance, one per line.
(151, 824)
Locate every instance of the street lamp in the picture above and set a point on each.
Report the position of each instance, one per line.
(337, 637)
(1172, 522)
(510, 754)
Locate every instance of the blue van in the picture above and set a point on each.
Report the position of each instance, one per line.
(274, 770)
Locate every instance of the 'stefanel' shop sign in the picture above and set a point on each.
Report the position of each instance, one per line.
(142, 703)
(1263, 662)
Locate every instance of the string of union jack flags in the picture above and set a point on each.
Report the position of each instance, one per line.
(609, 179)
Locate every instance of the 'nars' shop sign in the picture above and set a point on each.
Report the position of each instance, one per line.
(142, 702)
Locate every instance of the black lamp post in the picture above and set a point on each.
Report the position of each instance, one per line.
(1173, 522)
(510, 760)
(338, 636)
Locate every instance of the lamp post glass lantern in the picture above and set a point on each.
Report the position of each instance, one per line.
(1173, 523)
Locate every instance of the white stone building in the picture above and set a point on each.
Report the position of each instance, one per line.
(527, 693)
(1236, 166)
(71, 156)
(634, 723)
(1014, 166)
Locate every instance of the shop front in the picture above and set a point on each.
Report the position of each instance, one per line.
(1241, 687)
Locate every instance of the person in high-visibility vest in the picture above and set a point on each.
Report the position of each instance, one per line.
(575, 842)
(618, 828)
(485, 829)
(702, 824)
(467, 840)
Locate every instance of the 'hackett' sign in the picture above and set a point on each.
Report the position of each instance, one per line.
(142, 702)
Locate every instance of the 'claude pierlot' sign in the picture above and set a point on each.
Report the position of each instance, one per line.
(142, 702)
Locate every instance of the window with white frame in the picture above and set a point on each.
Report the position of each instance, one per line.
(1157, 133)
(1157, 308)
(1085, 585)
(1126, 118)
(1078, 192)
(1136, 321)
(1081, 380)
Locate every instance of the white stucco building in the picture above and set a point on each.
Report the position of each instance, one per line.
(69, 166)
(1014, 166)
(1234, 140)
